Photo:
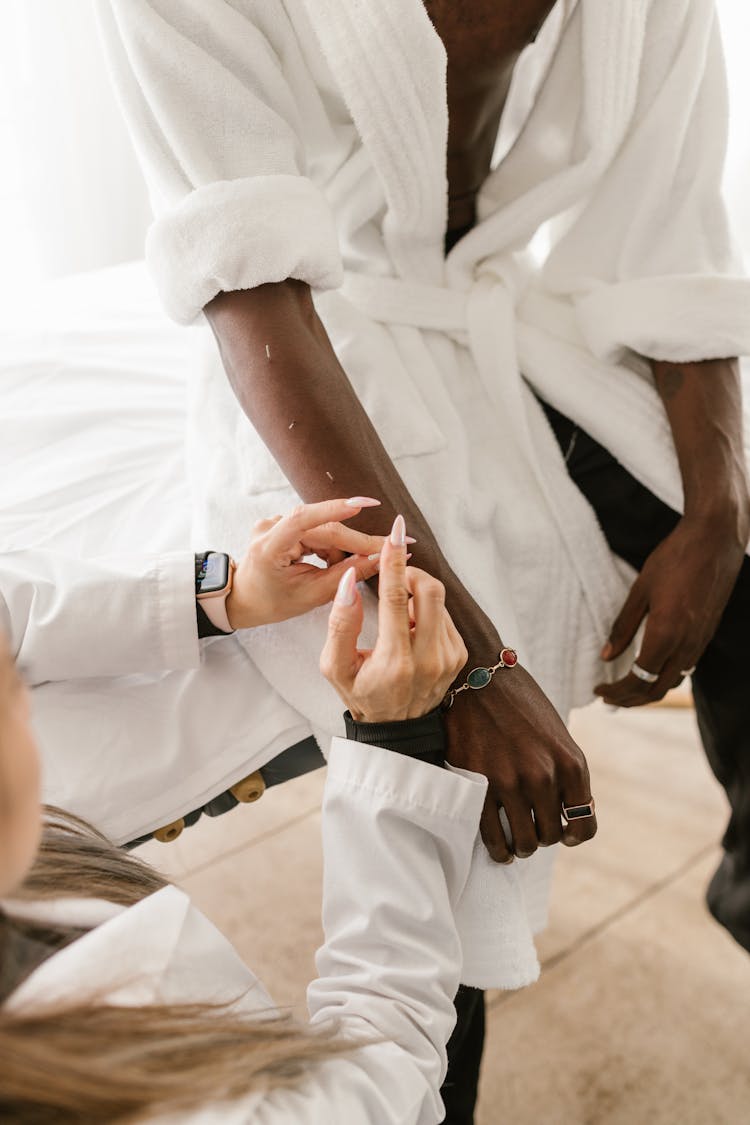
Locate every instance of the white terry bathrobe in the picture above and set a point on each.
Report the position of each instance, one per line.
(307, 139)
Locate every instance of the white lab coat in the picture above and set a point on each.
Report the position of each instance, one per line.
(138, 722)
(397, 840)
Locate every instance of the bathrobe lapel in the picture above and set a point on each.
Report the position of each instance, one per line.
(390, 65)
(540, 177)
(612, 35)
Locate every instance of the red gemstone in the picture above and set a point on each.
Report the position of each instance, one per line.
(509, 657)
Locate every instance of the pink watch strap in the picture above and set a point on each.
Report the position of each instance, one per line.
(215, 610)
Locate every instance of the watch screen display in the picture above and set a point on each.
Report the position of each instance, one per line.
(214, 573)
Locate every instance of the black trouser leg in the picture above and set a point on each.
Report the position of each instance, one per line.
(634, 521)
(721, 689)
(459, 1091)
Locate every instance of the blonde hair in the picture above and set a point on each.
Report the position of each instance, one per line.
(99, 1062)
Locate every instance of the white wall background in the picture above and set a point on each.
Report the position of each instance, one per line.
(71, 194)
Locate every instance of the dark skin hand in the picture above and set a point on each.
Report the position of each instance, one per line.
(686, 582)
(509, 731)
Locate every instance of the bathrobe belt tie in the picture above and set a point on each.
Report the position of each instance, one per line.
(483, 319)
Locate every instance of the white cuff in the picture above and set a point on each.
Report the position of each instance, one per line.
(116, 616)
(676, 319)
(236, 234)
(171, 592)
(406, 782)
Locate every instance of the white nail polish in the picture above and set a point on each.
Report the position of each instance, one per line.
(346, 588)
(398, 532)
(371, 558)
(362, 502)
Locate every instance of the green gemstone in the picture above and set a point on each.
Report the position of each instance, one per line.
(479, 678)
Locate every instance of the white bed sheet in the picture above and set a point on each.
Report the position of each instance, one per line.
(93, 380)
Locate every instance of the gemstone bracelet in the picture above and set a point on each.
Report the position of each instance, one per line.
(480, 677)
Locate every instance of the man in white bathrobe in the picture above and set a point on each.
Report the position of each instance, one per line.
(349, 193)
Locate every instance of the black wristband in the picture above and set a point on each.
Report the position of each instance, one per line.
(423, 738)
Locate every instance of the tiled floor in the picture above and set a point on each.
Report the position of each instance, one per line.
(642, 1014)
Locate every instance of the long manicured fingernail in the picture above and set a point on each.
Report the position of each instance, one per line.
(398, 532)
(410, 539)
(606, 653)
(347, 585)
(362, 502)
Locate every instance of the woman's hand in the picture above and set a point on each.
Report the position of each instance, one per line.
(272, 583)
(418, 652)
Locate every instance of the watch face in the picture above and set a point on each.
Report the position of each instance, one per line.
(214, 574)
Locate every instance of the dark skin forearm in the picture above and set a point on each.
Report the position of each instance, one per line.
(703, 402)
(302, 404)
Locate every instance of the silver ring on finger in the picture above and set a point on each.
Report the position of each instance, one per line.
(579, 812)
(642, 674)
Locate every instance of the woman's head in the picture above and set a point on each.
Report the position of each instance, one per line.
(93, 1061)
(20, 815)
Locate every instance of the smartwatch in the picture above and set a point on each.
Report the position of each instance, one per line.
(214, 573)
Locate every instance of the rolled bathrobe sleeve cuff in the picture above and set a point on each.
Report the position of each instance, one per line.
(677, 319)
(237, 234)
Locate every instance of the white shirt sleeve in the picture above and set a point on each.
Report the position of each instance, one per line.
(67, 617)
(649, 259)
(397, 842)
(218, 130)
(398, 836)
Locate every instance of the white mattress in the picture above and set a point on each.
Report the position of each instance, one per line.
(93, 380)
